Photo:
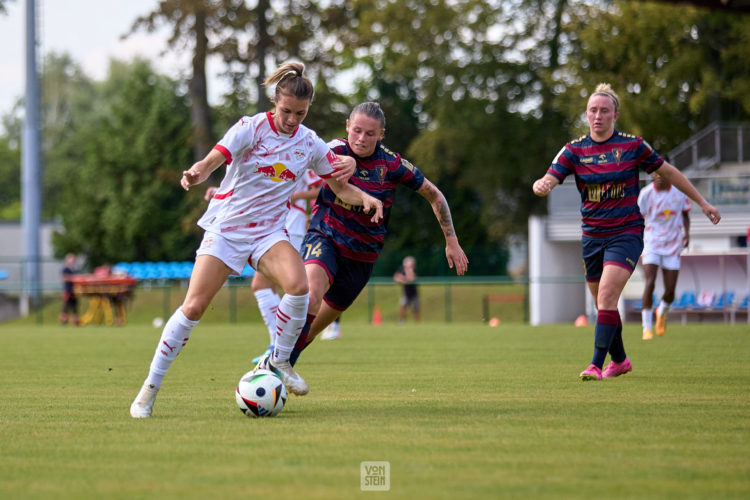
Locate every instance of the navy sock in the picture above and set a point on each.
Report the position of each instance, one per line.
(599, 356)
(617, 349)
(302, 341)
(604, 332)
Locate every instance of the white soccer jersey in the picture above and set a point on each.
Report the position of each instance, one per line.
(296, 221)
(662, 211)
(264, 168)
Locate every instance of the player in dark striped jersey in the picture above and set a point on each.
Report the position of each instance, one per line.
(606, 164)
(342, 243)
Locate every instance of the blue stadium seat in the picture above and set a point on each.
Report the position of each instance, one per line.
(150, 271)
(3, 274)
(186, 269)
(136, 270)
(174, 271)
(687, 300)
(156, 270)
(248, 271)
(121, 267)
(723, 300)
(161, 269)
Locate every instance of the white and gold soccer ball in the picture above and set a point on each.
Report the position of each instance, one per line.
(260, 393)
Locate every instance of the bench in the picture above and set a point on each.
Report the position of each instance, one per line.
(707, 304)
(699, 306)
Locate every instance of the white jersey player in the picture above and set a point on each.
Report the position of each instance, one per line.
(266, 155)
(665, 210)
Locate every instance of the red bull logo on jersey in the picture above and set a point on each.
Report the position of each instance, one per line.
(276, 172)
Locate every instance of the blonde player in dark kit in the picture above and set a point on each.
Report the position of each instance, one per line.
(606, 164)
(266, 154)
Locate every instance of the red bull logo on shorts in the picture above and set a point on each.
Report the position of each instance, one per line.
(276, 172)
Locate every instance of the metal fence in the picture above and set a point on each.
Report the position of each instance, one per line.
(717, 143)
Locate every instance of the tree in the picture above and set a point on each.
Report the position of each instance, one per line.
(248, 39)
(470, 105)
(193, 23)
(122, 199)
(270, 33)
(66, 107)
(10, 173)
(676, 68)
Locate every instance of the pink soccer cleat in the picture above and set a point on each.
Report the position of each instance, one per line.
(593, 372)
(616, 369)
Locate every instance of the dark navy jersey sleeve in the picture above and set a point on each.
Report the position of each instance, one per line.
(564, 163)
(354, 234)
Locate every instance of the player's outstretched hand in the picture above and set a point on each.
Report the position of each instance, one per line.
(456, 257)
(344, 168)
(190, 177)
(711, 212)
(370, 204)
(542, 187)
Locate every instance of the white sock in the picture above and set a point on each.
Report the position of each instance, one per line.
(647, 318)
(290, 318)
(664, 307)
(173, 338)
(268, 303)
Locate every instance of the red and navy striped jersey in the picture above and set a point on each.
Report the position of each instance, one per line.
(606, 175)
(351, 230)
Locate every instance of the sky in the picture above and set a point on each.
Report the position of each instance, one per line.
(88, 30)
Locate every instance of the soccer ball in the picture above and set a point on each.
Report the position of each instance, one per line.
(260, 393)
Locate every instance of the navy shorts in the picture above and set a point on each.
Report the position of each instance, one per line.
(620, 250)
(347, 277)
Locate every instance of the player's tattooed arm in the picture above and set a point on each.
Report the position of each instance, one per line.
(439, 206)
(453, 252)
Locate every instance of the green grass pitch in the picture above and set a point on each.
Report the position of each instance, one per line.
(458, 410)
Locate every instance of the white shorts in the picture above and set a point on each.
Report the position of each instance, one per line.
(296, 241)
(671, 262)
(235, 254)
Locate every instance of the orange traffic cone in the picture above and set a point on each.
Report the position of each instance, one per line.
(377, 316)
(581, 321)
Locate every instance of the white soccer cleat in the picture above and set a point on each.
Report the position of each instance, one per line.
(144, 401)
(291, 379)
(331, 332)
